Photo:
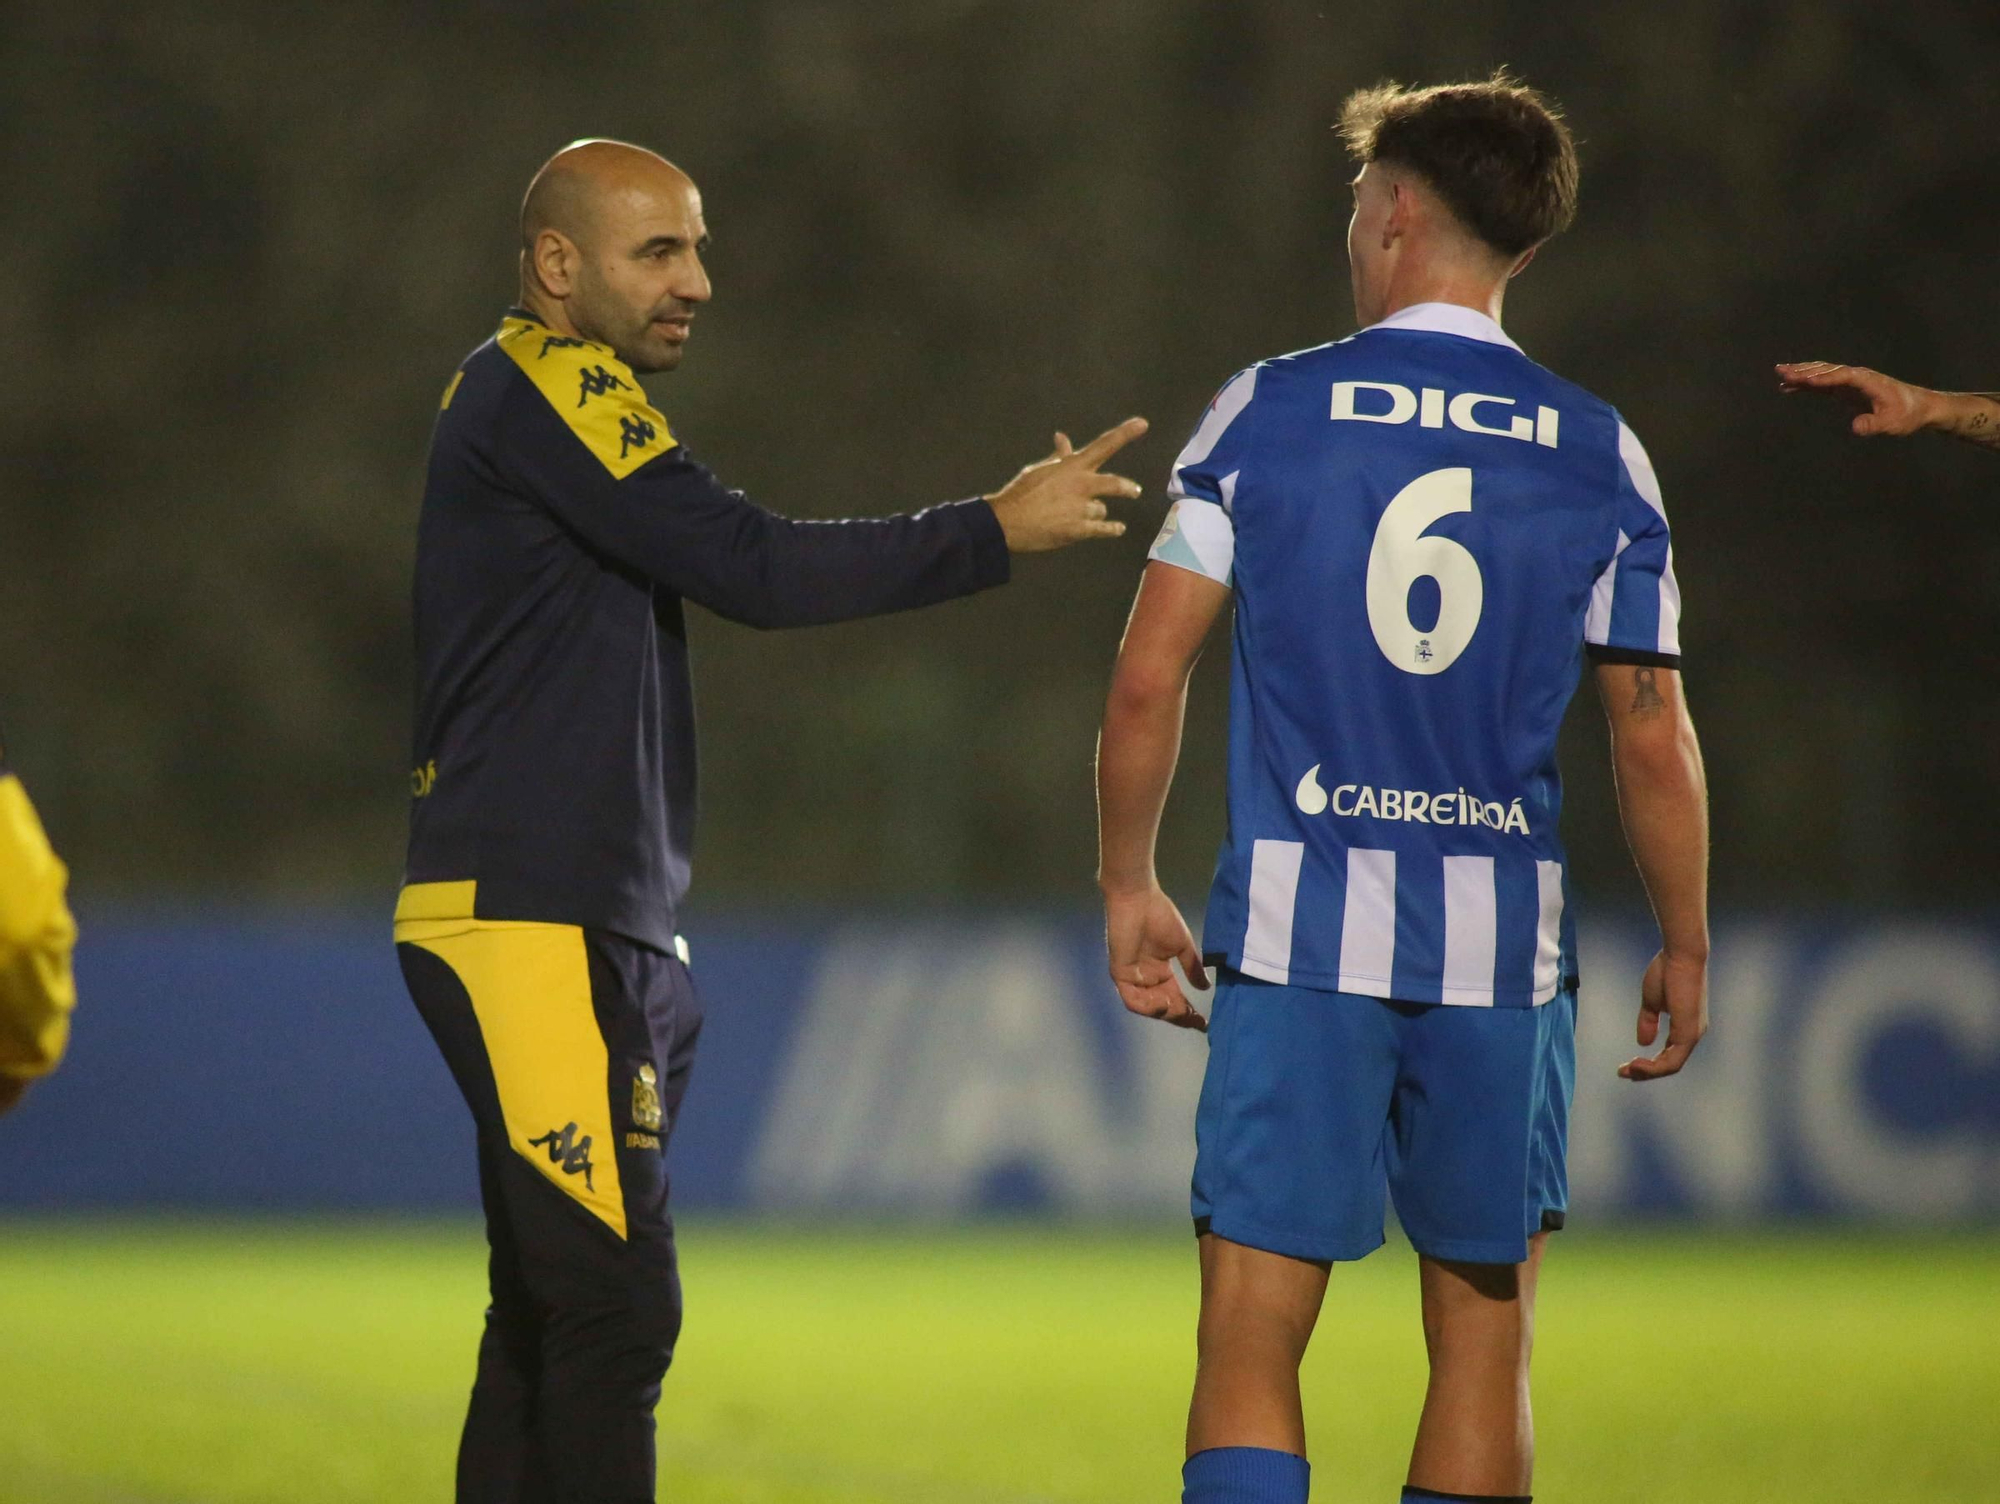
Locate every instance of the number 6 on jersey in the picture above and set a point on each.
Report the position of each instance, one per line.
(1401, 555)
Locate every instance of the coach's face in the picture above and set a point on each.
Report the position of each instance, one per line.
(1370, 244)
(638, 276)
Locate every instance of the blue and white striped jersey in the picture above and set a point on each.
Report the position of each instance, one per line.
(1424, 531)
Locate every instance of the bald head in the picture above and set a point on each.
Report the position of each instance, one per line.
(566, 194)
(611, 243)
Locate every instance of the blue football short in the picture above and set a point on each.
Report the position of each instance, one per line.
(1318, 1104)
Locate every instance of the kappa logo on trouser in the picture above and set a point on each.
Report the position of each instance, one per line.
(568, 1151)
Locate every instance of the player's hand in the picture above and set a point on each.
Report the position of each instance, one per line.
(1143, 931)
(1889, 406)
(1678, 989)
(1060, 500)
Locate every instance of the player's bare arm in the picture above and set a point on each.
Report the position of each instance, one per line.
(1897, 408)
(1136, 751)
(1061, 499)
(1663, 801)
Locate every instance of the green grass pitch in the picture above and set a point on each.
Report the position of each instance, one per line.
(277, 1363)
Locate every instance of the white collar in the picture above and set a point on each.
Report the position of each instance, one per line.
(1448, 318)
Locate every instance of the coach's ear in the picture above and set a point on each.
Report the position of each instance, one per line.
(552, 261)
(1526, 256)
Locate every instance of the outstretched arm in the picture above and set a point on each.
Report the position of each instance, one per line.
(1663, 801)
(671, 520)
(1136, 751)
(1898, 407)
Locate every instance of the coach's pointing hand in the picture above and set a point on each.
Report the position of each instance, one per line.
(1060, 500)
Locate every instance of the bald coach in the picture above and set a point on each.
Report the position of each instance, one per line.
(564, 528)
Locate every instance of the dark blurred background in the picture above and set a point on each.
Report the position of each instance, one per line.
(248, 245)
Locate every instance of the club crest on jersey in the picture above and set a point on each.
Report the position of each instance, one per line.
(1453, 807)
(1363, 402)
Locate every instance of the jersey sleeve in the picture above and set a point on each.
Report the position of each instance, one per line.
(1635, 607)
(37, 988)
(580, 438)
(1199, 533)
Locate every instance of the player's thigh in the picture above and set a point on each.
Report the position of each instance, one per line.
(1478, 1130)
(1288, 1132)
(1251, 1294)
(1479, 1302)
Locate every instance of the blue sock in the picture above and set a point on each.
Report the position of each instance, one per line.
(1245, 1475)
(1427, 1496)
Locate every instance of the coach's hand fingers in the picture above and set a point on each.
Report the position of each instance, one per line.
(1063, 447)
(1108, 443)
(1104, 483)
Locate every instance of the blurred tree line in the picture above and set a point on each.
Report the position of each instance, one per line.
(249, 245)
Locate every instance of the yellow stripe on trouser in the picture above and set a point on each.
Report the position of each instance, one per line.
(530, 988)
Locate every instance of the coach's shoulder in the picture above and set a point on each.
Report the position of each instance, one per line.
(591, 390)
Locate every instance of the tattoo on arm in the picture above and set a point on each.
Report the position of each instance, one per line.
(1647, 701)
(1982, 425)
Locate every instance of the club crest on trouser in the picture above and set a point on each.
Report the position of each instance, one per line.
(646, 1100)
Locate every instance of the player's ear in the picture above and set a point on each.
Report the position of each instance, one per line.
(1390, 229)
(1521, 263)
(1402, 204)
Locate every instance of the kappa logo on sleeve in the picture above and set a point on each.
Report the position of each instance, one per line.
(636, 433)
(597, 396)
(597, 382)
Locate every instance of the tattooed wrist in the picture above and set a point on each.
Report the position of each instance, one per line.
(1974, 417)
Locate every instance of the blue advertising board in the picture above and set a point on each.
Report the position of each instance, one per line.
(932, 1069)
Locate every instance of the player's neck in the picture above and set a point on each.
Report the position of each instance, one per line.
(1443, 283)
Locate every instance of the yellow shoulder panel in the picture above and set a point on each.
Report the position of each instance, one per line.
(595, 391)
